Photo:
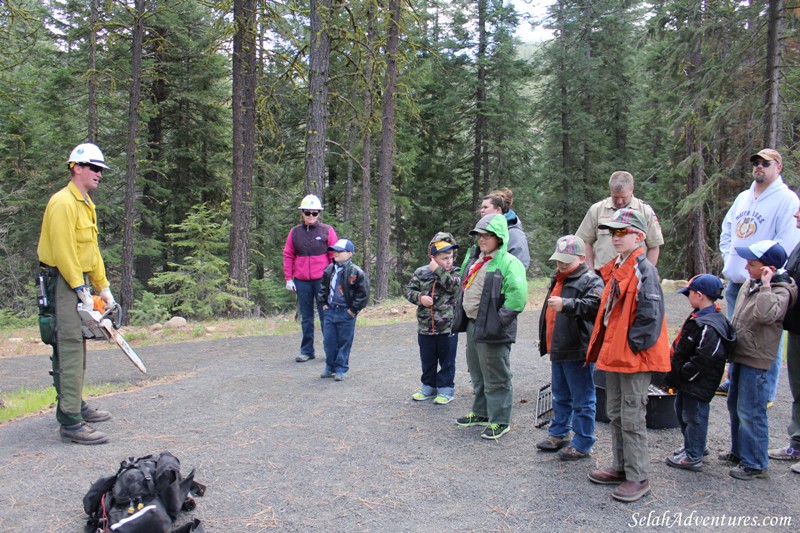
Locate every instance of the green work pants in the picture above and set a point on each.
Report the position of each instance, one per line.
(490, 371)
(626, 405)
(69, 355)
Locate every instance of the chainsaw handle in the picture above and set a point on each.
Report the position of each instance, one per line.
(114, 314)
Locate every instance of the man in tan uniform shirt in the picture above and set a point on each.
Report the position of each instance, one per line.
(599, 249)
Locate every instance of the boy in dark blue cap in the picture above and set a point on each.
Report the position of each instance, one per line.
(343, 293)
(760, 307)
(699, 353)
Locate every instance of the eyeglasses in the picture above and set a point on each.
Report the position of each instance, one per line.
(621, 232)
(764, 164)
(94, 168)
(486, 235)
(311, 213)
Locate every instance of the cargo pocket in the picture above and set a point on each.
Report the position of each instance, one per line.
(47, 328)
(634, 412)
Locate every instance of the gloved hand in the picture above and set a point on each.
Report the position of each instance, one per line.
(290, 285)
(85, 297)
(108, 298)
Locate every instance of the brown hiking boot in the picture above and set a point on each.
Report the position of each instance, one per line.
(607, 476)
(93, 415)
(630, 491)
(552, 443)
(82, 433)
(569, 453)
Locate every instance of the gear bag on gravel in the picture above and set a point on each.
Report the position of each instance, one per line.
(144, 496)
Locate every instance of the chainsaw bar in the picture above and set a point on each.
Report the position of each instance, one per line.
(97, 326)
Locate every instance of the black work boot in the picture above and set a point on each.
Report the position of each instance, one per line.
(82, 433)
(92, 414)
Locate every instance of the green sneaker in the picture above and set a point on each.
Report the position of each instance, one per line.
(421, 396)
(471, 419)
(443, 399)
(495, 431)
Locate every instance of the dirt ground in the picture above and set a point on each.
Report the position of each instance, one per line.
(281, 449)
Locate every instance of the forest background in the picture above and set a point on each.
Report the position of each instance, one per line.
(217, 116)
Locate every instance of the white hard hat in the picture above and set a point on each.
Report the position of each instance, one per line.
(87, 153)
(311, 202)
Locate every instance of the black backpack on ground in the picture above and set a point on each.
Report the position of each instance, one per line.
(144, 496)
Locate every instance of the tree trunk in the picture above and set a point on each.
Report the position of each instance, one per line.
(565, 107)
(387, 154)
(772, 115)
(143, 263)
(479, 164)
(696, 256)
(352, 140)
(91, 110)
(128, 236)
(244, 107)
(317, 121)
(366, 156)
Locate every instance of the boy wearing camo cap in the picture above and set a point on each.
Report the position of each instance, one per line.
(434, 288)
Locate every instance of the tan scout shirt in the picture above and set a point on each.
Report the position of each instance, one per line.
(472, 294)
(600, 239)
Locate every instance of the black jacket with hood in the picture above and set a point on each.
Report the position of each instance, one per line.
(699, 354)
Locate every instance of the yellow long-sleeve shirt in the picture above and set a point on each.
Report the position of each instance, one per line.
(69, 238)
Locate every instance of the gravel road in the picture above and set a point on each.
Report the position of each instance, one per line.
(281, 449)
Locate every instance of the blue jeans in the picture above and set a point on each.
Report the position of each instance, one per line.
(774, 373)
(338, 331)
(437, 354)
(306, 298)
(693, 418)
(747, 405)
(574, 403)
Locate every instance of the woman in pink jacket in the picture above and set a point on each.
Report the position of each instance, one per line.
(305, 257)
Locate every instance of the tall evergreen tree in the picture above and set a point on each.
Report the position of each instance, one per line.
(244, 121)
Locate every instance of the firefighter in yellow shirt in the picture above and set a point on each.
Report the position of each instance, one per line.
(69, 259)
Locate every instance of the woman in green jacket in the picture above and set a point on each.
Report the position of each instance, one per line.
(495, 292)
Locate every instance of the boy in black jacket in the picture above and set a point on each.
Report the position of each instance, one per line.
(699, 353)
(343, 293)
(565, 327)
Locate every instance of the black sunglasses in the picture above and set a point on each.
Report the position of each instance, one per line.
(764, 164)
(93, 168)
(311, 213)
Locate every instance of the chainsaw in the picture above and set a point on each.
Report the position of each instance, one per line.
(105, 326)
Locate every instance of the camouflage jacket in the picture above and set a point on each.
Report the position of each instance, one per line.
(444, 287)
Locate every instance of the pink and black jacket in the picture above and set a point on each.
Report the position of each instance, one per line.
(306, 254)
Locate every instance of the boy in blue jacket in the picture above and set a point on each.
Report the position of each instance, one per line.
(699, 353)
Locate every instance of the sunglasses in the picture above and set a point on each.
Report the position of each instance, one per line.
(764, 164)
(621, 232)
(311, 213)
(94, 168)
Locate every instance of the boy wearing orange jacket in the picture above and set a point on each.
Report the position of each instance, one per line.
(629, 343)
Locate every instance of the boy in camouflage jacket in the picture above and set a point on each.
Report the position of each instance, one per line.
(434, 288)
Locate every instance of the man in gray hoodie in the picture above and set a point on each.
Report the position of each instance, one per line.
(765, 211)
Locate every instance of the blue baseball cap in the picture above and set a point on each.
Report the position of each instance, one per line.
(771, 253)
(706, 284)
(343, 245)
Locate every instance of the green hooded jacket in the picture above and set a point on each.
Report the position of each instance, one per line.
(505, 290)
